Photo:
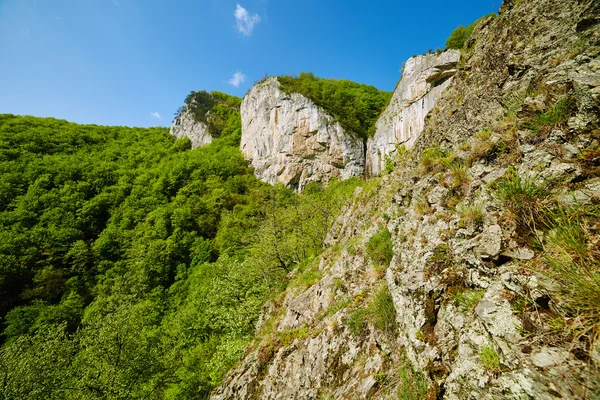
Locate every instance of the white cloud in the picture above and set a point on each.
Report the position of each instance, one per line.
(156, 115)
(237, 79)
(244, 22)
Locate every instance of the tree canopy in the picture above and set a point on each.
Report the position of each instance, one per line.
(132, 267)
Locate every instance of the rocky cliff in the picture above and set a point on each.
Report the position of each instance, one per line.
(185, 125)
(289, 139)
(424, 79)
(476, 311)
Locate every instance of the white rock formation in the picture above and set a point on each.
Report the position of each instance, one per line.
(185, 126)
(423, 81)
(291, 140)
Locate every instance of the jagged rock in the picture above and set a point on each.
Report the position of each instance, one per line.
(450, 301)
(184, 125)
(547, 357)
(289, 139)
(424, 79)
(490, 242)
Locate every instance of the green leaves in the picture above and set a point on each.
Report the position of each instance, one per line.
(357, 106)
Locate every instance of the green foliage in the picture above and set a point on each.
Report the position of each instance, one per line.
(380, 248)
(572, 260)
(434, 160)
(413, 385)
(523, 197)
(471, 215)
(355, 105)
(219, 111)
(131, 267)
(490, 358)
(380, 312)
(383, 313)
(461, 35)
(458, 38)
(557, 115)
(287, 337)
(467, 300)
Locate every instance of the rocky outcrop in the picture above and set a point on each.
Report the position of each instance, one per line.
(424, 79)
(289, 139)
(475, 317)
(184, 125)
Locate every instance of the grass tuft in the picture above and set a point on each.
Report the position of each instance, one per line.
(524, 198)
(380, 312)
(380, 248)
(467, 300)
(434, 160)
(490, 359)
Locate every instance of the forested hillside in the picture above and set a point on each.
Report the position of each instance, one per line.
(132, 267)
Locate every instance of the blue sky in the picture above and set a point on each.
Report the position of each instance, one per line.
(132, 62)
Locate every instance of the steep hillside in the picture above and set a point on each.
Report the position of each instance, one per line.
(472, 270)
(132, 267)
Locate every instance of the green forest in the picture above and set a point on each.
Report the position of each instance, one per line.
(132, 267)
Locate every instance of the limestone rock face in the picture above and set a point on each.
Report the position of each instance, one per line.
(185, 126)
(424, 79)
(289, 139)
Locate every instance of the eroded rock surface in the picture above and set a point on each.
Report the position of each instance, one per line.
(289, 139)
(457, 283)
(424, 79)
(184, 125)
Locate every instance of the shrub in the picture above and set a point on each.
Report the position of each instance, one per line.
(458, 38)
(380, 248)
(413, 385)
(460, 182)
(573, 260)
(422, 206)
(217, 110)
(380, 312)
(461, 35)
(287, 337)
(357, 321)
(471, 215)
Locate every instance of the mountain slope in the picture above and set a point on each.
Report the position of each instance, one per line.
(471, 271)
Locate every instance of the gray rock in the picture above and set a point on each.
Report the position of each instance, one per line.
(521, 253)
(184, 125)
(424, 79)
(289, 139)
(548, 357)
(490, 242)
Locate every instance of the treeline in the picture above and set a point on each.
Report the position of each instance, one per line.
(134, 268)
(356, 106)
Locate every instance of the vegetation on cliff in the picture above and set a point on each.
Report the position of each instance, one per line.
(356, 106)
(219, 111)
